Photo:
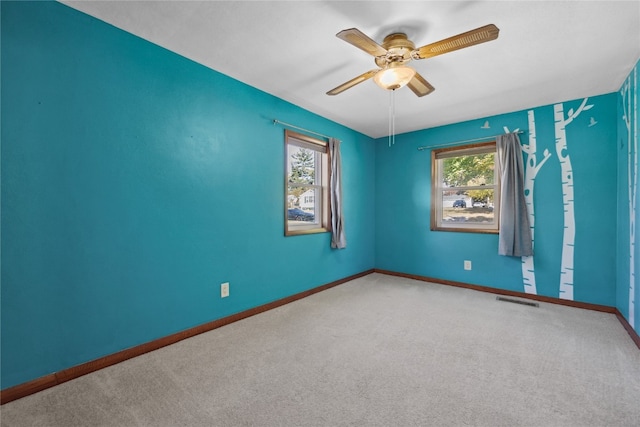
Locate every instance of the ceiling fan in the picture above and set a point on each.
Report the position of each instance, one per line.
(397, 50)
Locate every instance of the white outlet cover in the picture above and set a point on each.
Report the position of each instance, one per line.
(224, 290)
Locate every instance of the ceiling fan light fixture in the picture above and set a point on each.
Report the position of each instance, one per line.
(394, 76)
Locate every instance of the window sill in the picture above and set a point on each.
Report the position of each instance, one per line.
(302, 231)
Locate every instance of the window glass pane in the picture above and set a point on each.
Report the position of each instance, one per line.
(306, 185)
(464, 189)
(301, 165)
(468, 170)
(303, 205)
(467, 207)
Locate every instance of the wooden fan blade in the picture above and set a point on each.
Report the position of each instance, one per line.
(361, 41)
(420, 86)
(353, 82)
(470, 38)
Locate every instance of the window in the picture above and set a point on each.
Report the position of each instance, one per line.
(465, 189)
(306, 185)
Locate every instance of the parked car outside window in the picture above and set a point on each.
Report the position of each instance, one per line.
(459, 204)
(299, 215)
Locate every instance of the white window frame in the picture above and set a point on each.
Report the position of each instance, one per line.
(437, 188)
(321, 222)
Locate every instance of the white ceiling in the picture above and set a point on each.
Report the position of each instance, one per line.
(547, 51)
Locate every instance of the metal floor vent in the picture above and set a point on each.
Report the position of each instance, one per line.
(517, 301)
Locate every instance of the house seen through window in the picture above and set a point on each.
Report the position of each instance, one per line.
(465, 189)
(306, 184)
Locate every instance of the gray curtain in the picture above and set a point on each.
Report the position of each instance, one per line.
(338, 239)
(515, 235)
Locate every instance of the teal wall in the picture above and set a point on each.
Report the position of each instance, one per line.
(134, 182)
(628, 267)
(404, 242)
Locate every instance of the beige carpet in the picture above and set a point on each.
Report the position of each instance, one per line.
(376, 351)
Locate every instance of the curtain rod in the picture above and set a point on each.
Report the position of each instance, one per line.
(276, 121)
(426, 147)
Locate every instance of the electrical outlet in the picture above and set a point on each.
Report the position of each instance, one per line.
(224, 290)
(467, 265)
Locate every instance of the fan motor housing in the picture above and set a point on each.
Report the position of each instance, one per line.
(398, 47)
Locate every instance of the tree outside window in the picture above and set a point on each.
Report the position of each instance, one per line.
(465, 189)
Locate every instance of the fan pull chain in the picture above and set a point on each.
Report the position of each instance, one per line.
(389, 120)
(392, 117)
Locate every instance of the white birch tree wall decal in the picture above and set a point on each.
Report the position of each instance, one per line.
(531, 170)
(632, 178)
(566, 171)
